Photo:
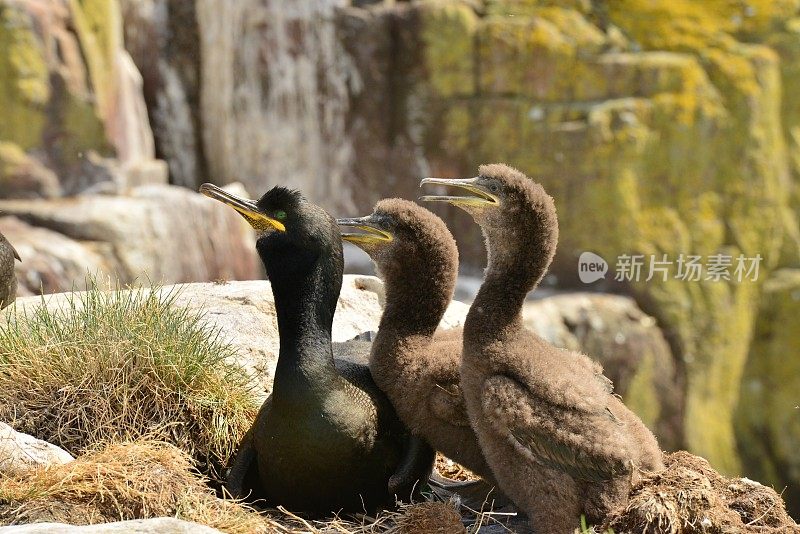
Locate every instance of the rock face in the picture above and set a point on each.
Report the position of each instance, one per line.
(156, 234)
(768, 415)
(635, 356)
(71, 99)
(271, 79)
(20, 453)
(158, 525)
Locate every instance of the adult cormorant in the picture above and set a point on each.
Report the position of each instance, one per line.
(8, 279)
(327, 439)
(557, 439)
(418, 368)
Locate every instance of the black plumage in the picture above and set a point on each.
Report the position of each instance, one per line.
(327, 439)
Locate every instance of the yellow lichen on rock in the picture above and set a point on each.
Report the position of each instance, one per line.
(671, 145)
(449, 37)
(768, 417)
(24, 85)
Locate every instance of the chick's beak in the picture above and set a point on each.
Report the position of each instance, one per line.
(479, 197)
(370, 235)
(246, 208)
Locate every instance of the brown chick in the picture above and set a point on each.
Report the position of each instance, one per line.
(8, 279)
(417, 368)
(557, 439)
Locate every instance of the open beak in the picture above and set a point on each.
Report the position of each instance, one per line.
(371, 234)
(479, 196)
(246, 208)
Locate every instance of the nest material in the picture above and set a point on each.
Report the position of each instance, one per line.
(689, 497)
(137, 480)
(430, 517)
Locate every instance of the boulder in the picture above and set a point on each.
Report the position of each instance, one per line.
(21, 453)
(612, 330)
(156, 234)
(158, 525)
(53, 262)
(22, 176)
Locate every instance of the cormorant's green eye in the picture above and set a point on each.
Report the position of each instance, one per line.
(280, 215)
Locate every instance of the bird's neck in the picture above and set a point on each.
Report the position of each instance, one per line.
(515, 267)
(305, 302)
(417, 297)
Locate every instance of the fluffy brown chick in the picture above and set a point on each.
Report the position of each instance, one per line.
(558, 441)
(418, 368)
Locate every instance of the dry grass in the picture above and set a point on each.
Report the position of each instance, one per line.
(452, 470)
(433, 517)
(124, 481)
(119, 366)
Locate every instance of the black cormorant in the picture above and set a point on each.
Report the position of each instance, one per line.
(327, 439)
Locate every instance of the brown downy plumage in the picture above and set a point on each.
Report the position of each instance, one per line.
(8, 279)
(557, 439)
(418, 368)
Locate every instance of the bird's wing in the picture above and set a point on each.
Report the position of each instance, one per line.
(588, 443)
(354, 351)
(445, 397)
(447, 404)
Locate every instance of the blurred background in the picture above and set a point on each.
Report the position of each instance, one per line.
(660, 127)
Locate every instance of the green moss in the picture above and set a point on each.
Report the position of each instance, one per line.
(11, 157)
(533, 7)
(98, 24)
(768, 418)
(82, 129)
(449, 36)
(526, 57)
(642, 396)
(24, 88)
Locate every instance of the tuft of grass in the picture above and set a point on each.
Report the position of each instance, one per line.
(119, 366)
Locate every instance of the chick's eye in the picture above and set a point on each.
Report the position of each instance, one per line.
(280, 214)
(494, 188)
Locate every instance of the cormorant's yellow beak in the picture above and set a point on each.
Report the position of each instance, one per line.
(480, 197)
(371, 234)
(246, 208)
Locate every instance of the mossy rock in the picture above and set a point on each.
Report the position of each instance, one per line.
(23, 177)
(24, 79)
(671, 146)
(448, 33)
(768, 417)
